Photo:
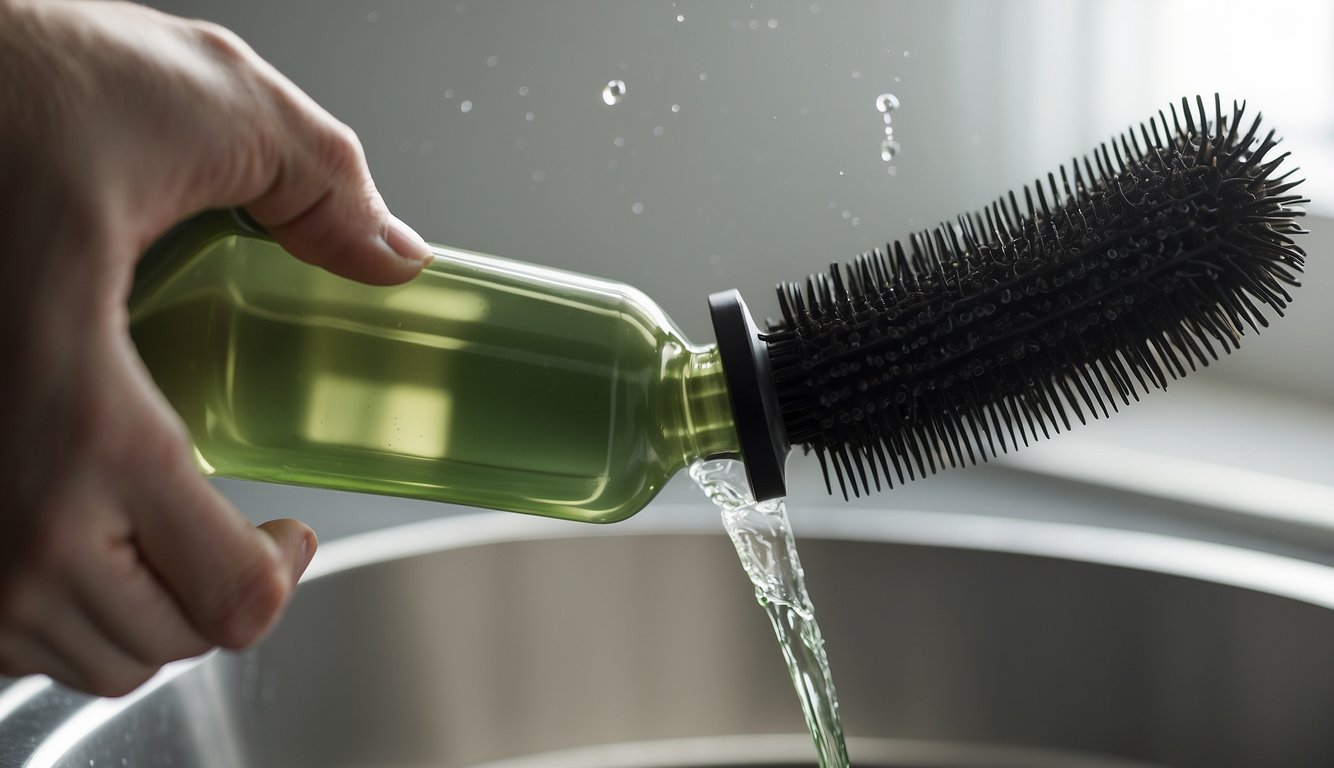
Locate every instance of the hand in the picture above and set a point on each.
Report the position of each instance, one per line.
(116, 122)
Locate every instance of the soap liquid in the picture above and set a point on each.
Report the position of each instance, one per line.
(764, 542)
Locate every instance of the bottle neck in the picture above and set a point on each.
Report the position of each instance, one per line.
(708, 431)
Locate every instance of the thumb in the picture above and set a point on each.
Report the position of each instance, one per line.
(296, 544)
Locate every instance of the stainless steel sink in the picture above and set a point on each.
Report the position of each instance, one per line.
(955, 640)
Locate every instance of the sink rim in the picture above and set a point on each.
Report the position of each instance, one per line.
(1277, 575)
(1224, 564)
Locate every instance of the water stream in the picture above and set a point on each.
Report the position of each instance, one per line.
(764, 542)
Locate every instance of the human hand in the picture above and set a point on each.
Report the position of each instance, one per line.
(116, 122)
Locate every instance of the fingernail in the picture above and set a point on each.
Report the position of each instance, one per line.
(309, 543)
(405, 242)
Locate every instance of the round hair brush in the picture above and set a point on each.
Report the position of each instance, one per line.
(1117, 273)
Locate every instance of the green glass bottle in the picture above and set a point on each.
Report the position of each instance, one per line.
(484, 381)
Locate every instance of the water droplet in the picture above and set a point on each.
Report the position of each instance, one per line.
(856, 222)
(539, 176)
(491, 61)
(905, 54)
(613, 92)
(680, 17)
(754, 24)
(840, 173)
(676, 108)
(449, 93)
(529, 116)
(372, 17)
(715, 259)
(619, 141)
(523, 90)
(657, 130)
(637, 208)
(886, 102)
(893, 170)
(703, 76)
(465, 106)
(897, 78)
(856, 74)
(888, 149)
(773, 24)
(832, 205)
(847, 214)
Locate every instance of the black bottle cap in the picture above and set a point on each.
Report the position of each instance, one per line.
(750, 386)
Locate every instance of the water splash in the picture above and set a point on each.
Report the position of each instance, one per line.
(886, 102)
(613, 92)
(762, 535)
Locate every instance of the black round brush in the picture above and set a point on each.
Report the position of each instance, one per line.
(1118, 273)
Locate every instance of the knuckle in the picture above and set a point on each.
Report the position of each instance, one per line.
(221, 41)
(342, 148)
(164, 446)
(249, 604)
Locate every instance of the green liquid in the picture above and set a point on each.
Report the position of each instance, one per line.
(482, 382)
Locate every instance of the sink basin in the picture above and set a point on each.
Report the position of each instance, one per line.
(955, 641)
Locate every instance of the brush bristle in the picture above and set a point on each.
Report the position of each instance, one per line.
(1133, 265)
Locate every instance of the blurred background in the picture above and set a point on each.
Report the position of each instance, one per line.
(746, 147)
(693, 146)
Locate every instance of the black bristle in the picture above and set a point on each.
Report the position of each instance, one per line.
(1129, 267)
